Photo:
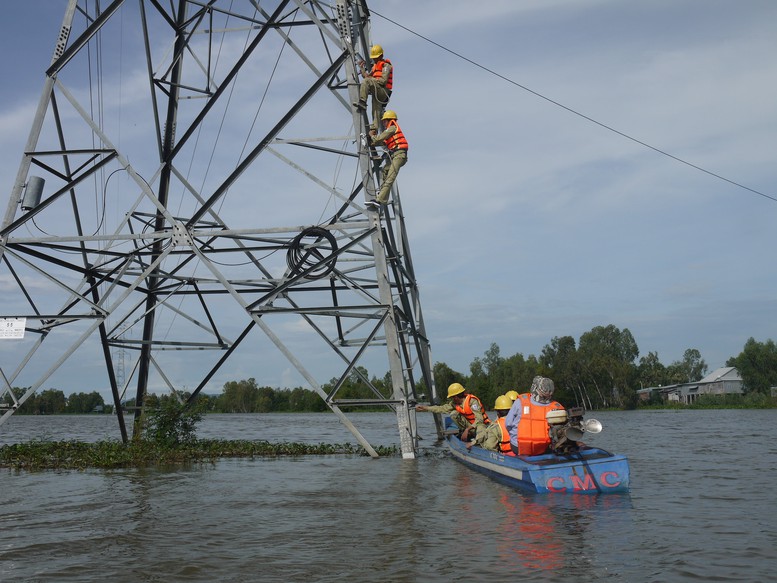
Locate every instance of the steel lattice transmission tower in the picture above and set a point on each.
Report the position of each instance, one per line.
(192, 190)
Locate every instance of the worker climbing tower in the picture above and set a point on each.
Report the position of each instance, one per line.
(192, 195)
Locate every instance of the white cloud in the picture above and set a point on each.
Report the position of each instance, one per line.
(527, 221)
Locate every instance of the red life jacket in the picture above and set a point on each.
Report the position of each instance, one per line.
(533, 429)
(504, 439)
(377, 72)
(466, 409)
(397, 141)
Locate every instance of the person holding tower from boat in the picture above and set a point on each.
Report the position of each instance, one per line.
(496, 437)
(465, 410)
(526, 421)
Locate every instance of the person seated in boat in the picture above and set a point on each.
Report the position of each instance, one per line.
(526, 422)
(496, 437)
(465, 410)
(513, 395)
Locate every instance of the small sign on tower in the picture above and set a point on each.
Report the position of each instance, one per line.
(12, 328)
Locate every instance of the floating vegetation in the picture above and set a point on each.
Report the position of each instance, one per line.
(43, 455)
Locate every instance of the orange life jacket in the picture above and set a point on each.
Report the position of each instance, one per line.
(466, 409)
(397, 141)
(504, 439)
(533, 429)
(377, 72)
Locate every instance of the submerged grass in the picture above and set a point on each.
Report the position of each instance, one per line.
(44, 455)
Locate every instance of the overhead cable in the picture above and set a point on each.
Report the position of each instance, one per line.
(575, 112)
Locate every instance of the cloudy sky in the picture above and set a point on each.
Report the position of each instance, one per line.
(573, 163)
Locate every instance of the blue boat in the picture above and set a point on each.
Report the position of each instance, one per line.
(587, 470)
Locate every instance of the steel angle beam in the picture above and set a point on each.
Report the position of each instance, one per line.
(193, 223)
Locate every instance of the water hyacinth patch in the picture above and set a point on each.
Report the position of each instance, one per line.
(43, 455)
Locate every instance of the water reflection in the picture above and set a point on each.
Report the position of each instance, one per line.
(530, 533)
(548, 533)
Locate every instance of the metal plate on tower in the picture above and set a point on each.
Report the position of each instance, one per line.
(12, 328)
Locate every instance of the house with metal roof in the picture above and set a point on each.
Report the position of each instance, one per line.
(721, 381)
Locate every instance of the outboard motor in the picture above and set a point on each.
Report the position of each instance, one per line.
(567, 428)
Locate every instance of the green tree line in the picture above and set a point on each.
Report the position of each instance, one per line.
(54, 402)
(600, 370)
(244, 396)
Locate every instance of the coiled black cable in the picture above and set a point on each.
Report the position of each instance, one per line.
(310, 250)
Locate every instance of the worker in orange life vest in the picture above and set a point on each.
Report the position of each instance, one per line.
(526, 422)
(465, 410)
(378, 82)
(396, 143)
(496, 437)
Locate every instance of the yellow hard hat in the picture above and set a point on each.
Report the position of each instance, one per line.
(376, 51)
(455, 389)
(503, 402)
(389, 114)
(512, 395)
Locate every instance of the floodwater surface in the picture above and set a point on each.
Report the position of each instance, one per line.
(702, 507)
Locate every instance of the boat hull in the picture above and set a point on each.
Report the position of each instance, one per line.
(588, 471)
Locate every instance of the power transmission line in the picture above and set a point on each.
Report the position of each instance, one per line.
(575, 112)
